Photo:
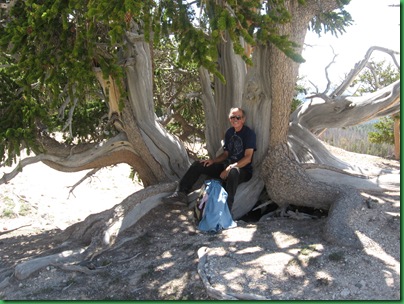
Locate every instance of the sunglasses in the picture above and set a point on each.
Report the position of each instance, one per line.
(236, 117)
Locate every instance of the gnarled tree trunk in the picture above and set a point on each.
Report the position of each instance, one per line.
(141, 142)
(285, 180)
(284, 142)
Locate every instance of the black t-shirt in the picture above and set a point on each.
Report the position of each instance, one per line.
(237, 142)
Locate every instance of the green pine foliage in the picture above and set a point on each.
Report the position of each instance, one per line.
(49, 48)
(334, 22)
(175, 84)
(19, 114)
(385, 73)
(384, 131)
(379, 75)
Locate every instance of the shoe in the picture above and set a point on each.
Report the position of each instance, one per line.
(177, 198)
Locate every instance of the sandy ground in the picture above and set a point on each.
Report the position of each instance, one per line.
(46, 192)
(279, 259)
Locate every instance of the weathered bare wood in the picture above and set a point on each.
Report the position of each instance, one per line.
(213, 292)
(380, 184)
(25, 269)
(265, 91)
(360, 66)
(95, 156)
(88, 175)
(98, 232)
(246, 195)
(348, 111)
(288, 183)
(121, 216)
(156, 143)
(14, 229)
(213, 137)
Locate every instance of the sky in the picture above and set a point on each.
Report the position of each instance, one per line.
(375, 24)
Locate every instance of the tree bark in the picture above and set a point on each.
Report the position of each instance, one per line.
(268, 93)
(286, 182)
(397, 138)
(157, 142)
(98, 232)
(339, 112)
(228, 94)
(213, 137)
(284, 141)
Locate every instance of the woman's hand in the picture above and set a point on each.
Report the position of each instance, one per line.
(207, 162)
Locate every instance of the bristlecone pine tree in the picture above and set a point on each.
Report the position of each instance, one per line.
(86, 69)
(377, 76)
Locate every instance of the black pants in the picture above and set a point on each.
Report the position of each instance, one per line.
(236, 176)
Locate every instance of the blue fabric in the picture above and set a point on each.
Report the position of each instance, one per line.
(216, 215)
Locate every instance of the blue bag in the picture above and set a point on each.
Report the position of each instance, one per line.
(215, 212)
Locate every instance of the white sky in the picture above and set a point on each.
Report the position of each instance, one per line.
(375, 24)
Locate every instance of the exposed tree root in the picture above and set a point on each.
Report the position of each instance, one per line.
(341, 218)
(287, 183)
(101, 230)
(25, 269)
(214, 293)
(78, 268)
(11, 230)
(5, 283)
(247, 195)
(97, 233)
(377, 184)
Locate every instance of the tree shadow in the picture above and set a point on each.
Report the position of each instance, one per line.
(279, 259)
(293, 262)
(16, 249)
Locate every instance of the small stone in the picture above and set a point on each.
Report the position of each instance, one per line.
(345, 292)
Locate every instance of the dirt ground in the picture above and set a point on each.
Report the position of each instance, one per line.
(276, 259)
